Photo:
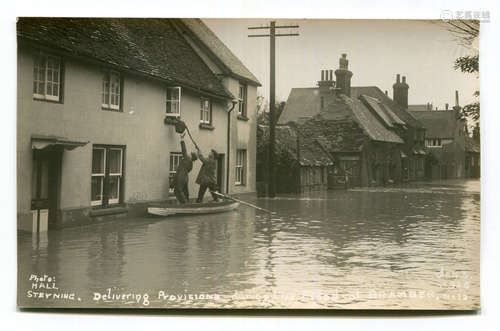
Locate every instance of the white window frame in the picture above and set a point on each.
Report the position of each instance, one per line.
(102, 175)
(242, 96)
(173, 163)
(205, 112)
(108, 90)
(46, 81)
(434, 142)
(240, 167)
(172, 101)
(117, 174)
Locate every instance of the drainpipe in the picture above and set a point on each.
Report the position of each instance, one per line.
(234, 102)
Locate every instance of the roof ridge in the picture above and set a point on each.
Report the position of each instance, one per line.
(245, 74)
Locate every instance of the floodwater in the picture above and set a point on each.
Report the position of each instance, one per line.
(405, 247)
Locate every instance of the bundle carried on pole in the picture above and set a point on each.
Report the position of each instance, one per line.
(180, 127)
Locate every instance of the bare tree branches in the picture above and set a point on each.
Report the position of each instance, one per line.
(465, 31)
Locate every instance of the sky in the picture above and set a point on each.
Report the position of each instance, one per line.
(377, 50)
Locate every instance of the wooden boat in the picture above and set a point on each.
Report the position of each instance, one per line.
(193, 208)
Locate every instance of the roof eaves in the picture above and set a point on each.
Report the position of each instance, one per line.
(56, 49)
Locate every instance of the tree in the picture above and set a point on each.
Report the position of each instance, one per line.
(467, 33)
(263, 110)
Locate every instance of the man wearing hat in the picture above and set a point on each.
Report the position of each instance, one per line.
(181, 177)
(206, 177)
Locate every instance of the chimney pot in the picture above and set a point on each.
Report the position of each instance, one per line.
(446, 106)
(404, 79)
(457, 104)
(386, 93)
(397, 78)
(322, 75)
(331, 74)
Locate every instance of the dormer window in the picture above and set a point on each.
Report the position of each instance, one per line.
(173, 105)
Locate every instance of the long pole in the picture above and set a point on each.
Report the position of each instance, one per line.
(272, 116)
(271, 168)
(243, 202)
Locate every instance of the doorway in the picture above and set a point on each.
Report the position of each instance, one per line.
(220, 172)
(46, 184)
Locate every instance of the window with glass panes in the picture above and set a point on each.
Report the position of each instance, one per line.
(111, 90)
(242, 96)
(107, 175)
(173, 106)
(47, 77)
(206, 111)
(175, 159)
(241, 160)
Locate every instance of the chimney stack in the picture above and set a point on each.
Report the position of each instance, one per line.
(343, 76)
(325, 85)
(400, 92)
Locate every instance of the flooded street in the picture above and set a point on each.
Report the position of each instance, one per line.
(412, 246)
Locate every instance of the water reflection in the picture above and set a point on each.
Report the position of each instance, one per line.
(364, 248)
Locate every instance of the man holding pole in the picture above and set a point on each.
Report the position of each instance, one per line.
(206, 177)
(181, 177)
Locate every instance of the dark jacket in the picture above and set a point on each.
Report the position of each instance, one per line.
(206, 176)
(185, 166)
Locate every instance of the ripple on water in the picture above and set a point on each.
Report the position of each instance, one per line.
(370, 240)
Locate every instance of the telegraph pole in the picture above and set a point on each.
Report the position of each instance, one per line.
(272, 88)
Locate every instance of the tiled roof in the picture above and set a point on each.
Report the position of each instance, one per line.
(311, 153)
(219, 49)
(148, 46)
(419, 107)
(377, 93)
(304, 103)
(370, 124)
(334, 134)
(438, 124)
(389, 118)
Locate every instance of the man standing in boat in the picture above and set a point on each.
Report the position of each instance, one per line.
(181, 177)
(206, 177)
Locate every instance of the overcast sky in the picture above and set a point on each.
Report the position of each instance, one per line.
(377, 50)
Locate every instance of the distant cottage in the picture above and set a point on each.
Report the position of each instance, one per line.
(95, 103)
(452, 152)
(371, 139)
